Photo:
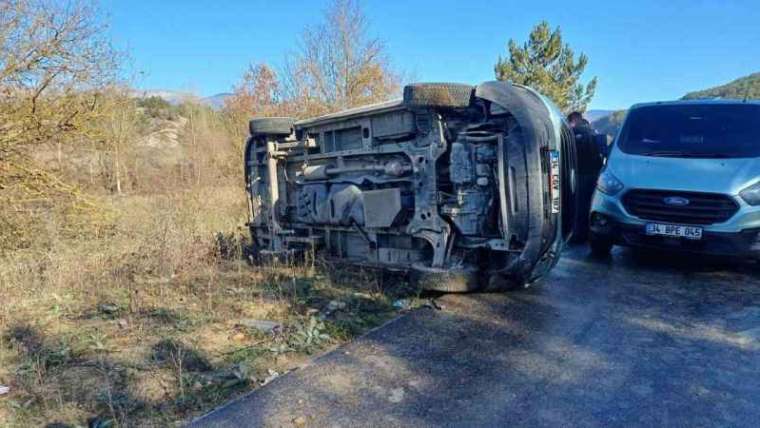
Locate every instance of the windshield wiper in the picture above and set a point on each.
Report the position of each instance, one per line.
(709, 155)
(676, 154)
(664, 154)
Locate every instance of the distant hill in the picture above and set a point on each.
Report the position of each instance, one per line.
(594, 115)
(609, 124)
(746, 87)
(177, 97)
(216, 101)
(172, 97)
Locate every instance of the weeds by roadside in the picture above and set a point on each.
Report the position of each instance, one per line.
(162, 318)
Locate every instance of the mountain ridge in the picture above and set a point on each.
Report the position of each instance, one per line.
(747, 87)
(173, 97)
(743, 88)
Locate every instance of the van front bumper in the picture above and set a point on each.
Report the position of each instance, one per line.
(610, 221)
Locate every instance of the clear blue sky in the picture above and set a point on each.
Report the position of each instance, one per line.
(641, 50)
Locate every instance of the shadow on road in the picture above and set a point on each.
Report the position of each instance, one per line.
(639, 339)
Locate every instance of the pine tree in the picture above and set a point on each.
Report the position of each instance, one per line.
(548, 66)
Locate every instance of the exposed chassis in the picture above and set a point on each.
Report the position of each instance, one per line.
(463, 185)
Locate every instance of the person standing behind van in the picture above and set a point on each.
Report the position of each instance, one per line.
(582, 125)
(575, 119)
(590, 162)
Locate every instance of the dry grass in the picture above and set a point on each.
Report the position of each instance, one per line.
(141, 325)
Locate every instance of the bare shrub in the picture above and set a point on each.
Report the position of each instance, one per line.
(54, 60)
(338, 64)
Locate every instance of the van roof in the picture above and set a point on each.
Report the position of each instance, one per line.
(705, 101)
(353, 112)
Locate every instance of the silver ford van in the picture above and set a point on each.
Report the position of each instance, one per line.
(682, 175)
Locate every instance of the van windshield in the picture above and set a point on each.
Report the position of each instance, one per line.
(698, 130)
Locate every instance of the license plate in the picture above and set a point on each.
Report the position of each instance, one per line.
(675, 230)
(554, 172)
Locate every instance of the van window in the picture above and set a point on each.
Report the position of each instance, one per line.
(698, 130)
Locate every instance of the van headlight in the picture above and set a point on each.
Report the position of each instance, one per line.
(609, 184)
(751, 194)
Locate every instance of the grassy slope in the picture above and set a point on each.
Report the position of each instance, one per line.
(747, 87)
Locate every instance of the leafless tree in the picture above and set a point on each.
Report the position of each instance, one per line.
(338, 65)
(257, 93)
(54, 62)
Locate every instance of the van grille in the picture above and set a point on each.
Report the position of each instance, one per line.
(702, 208)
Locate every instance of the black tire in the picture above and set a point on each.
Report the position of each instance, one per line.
(277, 126)
(447, 281)
(502, 283)
(446, 95)
(600, 246)
(572, 215)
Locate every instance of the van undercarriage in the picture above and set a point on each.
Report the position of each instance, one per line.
(462, 185)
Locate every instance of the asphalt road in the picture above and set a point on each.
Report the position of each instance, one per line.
(636, 340)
